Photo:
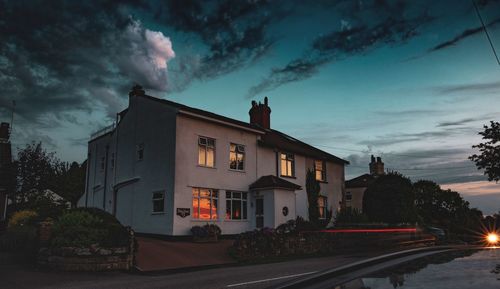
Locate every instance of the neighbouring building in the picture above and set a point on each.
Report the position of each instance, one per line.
(6, 170)
(355, 188)
(165, 167)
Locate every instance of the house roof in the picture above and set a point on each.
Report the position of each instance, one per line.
(277, 139)
(273, 182)
(270, 138)
(361, 181)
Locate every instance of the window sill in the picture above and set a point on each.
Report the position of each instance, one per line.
(205, 220)
(207, 167)
(158, 213)
(236, 221)
(322, 182)
(238, 171)
(289, 177)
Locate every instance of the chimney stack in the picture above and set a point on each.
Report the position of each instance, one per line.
(376, 166)
(260, 114)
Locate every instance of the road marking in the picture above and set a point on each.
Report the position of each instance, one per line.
(271, 279)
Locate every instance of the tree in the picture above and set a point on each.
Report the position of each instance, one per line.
(312, 188)
(390, 199)
(69, 181)
(444, 208)
(35, 175)
(489, 158)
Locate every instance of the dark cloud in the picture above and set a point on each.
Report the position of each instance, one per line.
(76, 56)
(475, 88)
(233, 31)
(368, 26)
(463, 35)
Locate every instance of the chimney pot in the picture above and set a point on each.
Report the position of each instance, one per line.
(260, 114)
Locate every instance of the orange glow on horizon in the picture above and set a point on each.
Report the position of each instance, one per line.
(492, 238)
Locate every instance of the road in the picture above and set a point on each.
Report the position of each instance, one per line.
(237, 277)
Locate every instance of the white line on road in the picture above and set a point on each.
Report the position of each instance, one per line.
(271, 279)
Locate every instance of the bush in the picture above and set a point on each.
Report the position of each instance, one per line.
(23, 218)
(350, 215)
(208, 230)
(296, 226)
(80, 228)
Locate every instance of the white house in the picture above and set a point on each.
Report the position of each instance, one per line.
(166, 167)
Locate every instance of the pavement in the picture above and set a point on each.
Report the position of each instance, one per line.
(157, 255)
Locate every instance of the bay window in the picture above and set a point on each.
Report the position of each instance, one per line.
(205, 204)
(236, 205)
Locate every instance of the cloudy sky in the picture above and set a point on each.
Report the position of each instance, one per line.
(410, 81)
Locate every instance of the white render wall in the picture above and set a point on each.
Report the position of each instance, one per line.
(189, 175)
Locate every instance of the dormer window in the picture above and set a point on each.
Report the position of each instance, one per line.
(287, 165)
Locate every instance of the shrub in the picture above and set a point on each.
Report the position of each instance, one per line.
(81, 228)
(350, 215)
(23, 218)
(208, 230)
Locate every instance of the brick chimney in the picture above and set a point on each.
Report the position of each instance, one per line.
(376, 166)
(4, 131)
(137, 91)
(260, 114)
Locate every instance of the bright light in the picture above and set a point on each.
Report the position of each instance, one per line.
(492, 238)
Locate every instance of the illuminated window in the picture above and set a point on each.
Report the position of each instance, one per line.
(158, 202)
(320, 170)
(205, 203)
(287, 165)
(236, 157)
(206, 152)
(140, 152)
(322, 202)
(236, 206)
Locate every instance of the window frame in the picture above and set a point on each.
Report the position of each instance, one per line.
(287, 159)
(211, 199)
(243, 205)
(323, 171)
(322, 208)
(206, 146)
(153, 200)
(236, 152)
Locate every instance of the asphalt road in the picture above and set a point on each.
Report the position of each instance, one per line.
(237, 277)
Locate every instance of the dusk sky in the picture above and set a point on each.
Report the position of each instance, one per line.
(410, 81)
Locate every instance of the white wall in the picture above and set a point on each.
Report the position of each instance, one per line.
(190, 175)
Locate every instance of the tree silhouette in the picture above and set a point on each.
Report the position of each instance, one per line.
(312, 188)
(489, 158)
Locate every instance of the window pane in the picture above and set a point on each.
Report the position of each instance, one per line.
(318, 176)
(244, 204)
(289, 169)
(215, 193)
(228, 209)
(228, 195)
(158, 206)
(283, 167)
(236, 195)
(232, 147)
(201, 155)
(204, 193)
(317, 165)
(195, 208)
(204, 208)
(196, 192)
(214, 209)
(244, 196)
(211, 142)
(240, 161)
(202, 141)
(283, 156)
(236, 210)
(158, 195)
(210, 157)
(232, 160)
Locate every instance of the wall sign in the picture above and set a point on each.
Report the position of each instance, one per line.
(285, 211)
(183, 212)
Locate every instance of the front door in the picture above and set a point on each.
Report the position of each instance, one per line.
(259, 212)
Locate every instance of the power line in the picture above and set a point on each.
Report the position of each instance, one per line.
(486, 31)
